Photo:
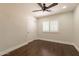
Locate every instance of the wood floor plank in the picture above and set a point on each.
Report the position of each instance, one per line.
(45, 48)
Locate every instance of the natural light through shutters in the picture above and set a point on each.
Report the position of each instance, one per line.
(46, 26)
(50, 26)
(53, 26)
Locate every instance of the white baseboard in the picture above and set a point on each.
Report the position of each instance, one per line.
(76, 47)
(61, 42)
(53, 40)
(18, 46)
(13, 48)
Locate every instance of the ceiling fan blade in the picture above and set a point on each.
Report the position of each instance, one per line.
(54, 4)
(48, 10)
(40, 5)
(36, 10)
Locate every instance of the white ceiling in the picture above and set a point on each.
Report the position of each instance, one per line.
(55, 10)
(27, 8)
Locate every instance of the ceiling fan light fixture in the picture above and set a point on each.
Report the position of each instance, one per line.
(64, 7)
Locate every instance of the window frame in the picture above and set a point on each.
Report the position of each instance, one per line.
(49, 27)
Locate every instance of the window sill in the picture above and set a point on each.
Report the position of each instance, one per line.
(51, 32)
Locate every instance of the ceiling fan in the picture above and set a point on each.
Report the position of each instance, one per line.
(44, 7)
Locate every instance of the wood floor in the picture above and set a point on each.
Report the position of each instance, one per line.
(44, 48)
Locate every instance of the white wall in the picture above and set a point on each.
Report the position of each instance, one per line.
(65, 28)
(18, 26)
(31, 28)
(14, 22)
(76, 26)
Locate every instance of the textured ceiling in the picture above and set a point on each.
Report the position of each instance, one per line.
(27, 8)
(57, 9)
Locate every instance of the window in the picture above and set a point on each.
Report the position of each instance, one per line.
(50, 26)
